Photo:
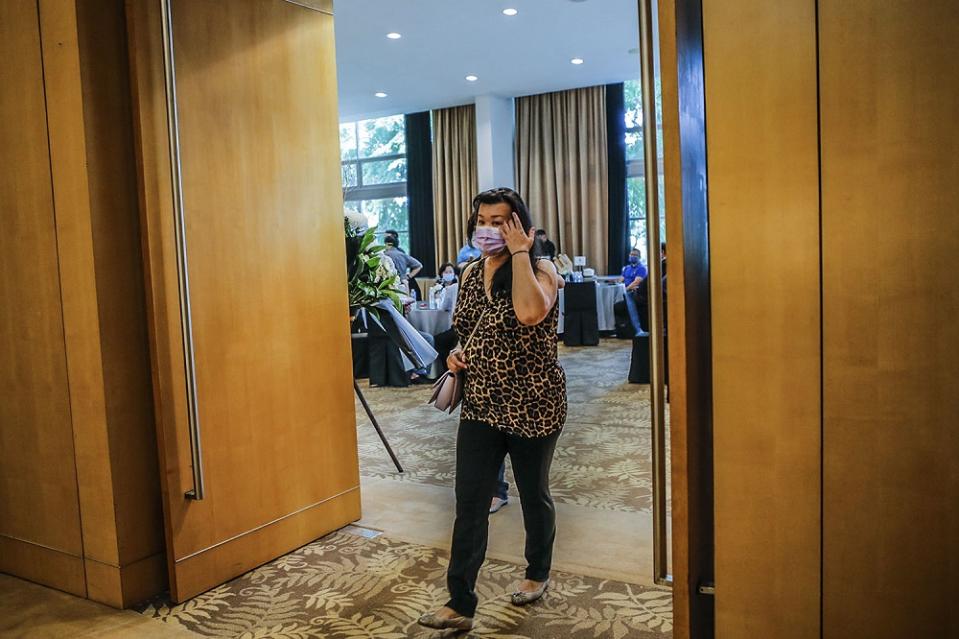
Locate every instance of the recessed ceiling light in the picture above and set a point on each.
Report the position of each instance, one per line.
(576, 61)
(394, 35)
(510, 12)
(380, 94)
(471, 78)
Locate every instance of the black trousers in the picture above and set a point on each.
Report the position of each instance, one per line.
(480, 450)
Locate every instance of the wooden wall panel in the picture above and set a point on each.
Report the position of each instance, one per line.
(39, 511)
(111, 170)
(79, 502)
(761, 124)
(61, 72)
(890, 189)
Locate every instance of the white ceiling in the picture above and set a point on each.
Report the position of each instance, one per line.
(445, 40)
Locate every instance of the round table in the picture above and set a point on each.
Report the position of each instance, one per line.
(432, 321)
(606, 296)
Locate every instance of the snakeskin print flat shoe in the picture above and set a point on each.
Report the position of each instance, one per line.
(520, 598)
(430, 620)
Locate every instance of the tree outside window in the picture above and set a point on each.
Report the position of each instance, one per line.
(635, 165)
(373, 160)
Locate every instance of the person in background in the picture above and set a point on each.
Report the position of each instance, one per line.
(467, 254)
(407, 266)
(444, 292)
(542, 246)
(641, 294)
(633, 275)
(447, 274)
(634, 271)
(446, 287)
(396, 236)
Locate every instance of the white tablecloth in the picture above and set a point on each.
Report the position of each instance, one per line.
(430, 321)
(606, 296)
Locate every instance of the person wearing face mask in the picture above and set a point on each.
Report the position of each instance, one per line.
(634, 271)
(514, 399)
(446, 288)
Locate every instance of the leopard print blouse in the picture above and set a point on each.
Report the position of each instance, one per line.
(513, 381)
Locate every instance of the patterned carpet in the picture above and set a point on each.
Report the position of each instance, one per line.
(348, 586)
(602, 459)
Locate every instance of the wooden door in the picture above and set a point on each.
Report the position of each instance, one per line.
(256, 88)
(763, 164)
(890, 196)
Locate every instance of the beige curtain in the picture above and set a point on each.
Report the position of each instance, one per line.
(454, 177)
(561, 169)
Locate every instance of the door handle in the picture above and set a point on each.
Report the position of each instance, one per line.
(655, 291)
(183, 273)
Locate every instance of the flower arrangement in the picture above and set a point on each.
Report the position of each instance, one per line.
(371, 275)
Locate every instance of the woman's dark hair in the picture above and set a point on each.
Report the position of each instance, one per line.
(503, 280)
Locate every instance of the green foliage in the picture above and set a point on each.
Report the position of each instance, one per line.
(370, 278)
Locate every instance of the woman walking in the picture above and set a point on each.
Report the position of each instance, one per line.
(514, 399)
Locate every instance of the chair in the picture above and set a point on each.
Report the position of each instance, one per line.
(580, 315)
(639, 361)
(385, 363)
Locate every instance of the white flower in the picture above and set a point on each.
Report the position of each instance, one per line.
(356, 220)
(386, 268)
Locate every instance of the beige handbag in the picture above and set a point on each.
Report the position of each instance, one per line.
(448, 389)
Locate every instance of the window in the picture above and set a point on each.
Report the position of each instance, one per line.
(635, 165)
(373, 160)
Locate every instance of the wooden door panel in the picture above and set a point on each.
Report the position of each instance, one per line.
(890, 189)
(260, 163)
(761, 129)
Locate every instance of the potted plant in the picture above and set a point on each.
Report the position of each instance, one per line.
(371, 275)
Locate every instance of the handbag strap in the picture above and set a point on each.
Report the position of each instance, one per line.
(482, 315)
(473, 332)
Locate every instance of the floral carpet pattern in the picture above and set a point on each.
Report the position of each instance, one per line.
(346, 586)
(603, 456)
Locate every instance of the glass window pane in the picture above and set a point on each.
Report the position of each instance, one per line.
(636, 197)
(385, 172)
(349, 175)
(634, 145)
(388, 213)
(637, 236)
(382, 136)
(348, 141)
(632, 101)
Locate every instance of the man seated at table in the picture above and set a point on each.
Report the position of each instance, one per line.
(633, 275)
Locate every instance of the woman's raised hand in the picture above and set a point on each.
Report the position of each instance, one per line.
(456, 361)
(516, 239)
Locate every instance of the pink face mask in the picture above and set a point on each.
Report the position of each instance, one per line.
(488, 239)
